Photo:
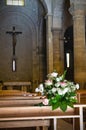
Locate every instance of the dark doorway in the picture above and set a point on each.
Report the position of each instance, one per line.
(69, 53)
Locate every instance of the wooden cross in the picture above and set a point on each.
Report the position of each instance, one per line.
(13, 33)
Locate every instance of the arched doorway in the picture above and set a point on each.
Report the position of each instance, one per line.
(69, 53)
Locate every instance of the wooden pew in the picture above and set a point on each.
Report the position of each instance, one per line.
(20, 116)
(13, 93)
(18, 111)
(18, 98)
(19, 101)
(15, 98)
(23, 86)
(81, 96)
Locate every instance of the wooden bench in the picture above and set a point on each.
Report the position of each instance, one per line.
(18, 98)
(17, 110)
(15, 98)
(23, 86)
(15, 93)
(81, 96)
(20, 116)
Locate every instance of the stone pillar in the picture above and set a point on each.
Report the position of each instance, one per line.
(35, 71)
(57, 32)
(79, 46)
(78, 13)
(57, 50)
(49, 44)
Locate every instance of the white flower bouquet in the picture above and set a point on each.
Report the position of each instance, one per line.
(59, 92)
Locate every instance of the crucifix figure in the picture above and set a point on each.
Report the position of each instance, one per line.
(14, 33)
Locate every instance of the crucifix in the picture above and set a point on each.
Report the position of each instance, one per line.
(14, 33)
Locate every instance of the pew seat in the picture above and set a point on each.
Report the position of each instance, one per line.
(22, 115)
(15, 93)
(10, 85)
(17, 98)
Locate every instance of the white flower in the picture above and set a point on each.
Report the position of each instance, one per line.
(63, 84)
(48, 82)
(65, 90)
(77, 86)
(54, 90)
(60, 91)
(37, 90)
(40, 89)
(45, 101)
(54, 74)
(57, 84)
(57, 79)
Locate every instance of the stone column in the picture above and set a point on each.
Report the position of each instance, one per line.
(57, 33)
(49, 44)
(79, 46)
(57, 50)
(78, 13)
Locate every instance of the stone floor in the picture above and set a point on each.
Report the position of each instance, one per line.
(62, 125)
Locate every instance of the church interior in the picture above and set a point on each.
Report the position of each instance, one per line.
(36, 38)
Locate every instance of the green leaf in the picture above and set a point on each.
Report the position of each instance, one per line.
(72, 94)
(70, 104)
(54, 101)
(64, 74)
(55, 106)
(74, 100)
(58, 97)
(63, 106)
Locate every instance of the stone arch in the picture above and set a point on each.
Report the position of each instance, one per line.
(44, 5)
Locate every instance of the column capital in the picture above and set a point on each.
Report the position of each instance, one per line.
(78, 2)
(77, 7)
(49, 14)
(56, 29)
